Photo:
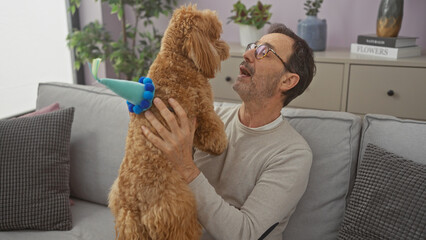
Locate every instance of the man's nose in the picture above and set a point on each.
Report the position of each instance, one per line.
(249, 55)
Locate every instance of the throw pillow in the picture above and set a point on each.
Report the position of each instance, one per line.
(388, 200)
(51, 108)
(34, 172)
(47, 109)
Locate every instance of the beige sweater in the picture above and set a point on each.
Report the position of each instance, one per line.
(255, 184)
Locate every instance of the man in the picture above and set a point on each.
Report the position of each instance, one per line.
(250, 190)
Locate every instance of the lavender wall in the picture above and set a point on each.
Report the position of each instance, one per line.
(345, 18)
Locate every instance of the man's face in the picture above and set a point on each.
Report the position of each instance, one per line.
(259, 78)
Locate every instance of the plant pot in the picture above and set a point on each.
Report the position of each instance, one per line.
(314, 32)
(389, 18)
(249, 34)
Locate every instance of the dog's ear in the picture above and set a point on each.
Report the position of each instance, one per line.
(202, 52)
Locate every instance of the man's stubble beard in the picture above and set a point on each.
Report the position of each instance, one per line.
(249, 92)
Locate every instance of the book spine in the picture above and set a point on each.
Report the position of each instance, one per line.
(374, 50)
(381, 42)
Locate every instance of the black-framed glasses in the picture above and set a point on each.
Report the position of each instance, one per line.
(261, 51)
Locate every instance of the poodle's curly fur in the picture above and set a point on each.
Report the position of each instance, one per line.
(149, 199)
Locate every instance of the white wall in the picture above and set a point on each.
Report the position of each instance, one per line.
(33, 49)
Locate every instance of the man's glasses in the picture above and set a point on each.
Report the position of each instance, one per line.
(262, 50)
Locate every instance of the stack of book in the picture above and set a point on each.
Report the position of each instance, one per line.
(389, 47)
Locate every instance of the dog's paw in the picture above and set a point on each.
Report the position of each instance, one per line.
(211, 142)
(221, 145)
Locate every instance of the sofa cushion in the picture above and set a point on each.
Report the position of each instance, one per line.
(334, 140)
(98, 137)
(91, 221)
(34, 172)
(388, 200)
(406, 138)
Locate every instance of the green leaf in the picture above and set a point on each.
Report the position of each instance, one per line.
(257, 15)
(77, 64)
(120, 13)
(312, 7)
(94, 41)
(114, 9)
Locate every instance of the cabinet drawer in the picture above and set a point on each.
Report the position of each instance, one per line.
(398, 91)
(325, 90)
(222, 83)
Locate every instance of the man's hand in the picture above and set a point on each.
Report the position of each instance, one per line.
(175, 144)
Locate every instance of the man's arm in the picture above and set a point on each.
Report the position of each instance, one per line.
(273, 199)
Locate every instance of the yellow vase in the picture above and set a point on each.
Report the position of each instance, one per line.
(389, 18)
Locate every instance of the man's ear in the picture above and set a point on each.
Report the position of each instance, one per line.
(203, 53)
(289, 81)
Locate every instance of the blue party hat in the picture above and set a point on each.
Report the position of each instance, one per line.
(139, 95)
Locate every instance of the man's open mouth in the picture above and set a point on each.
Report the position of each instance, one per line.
(244, 71)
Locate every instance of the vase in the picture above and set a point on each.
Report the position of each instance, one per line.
(389, 18)
(249, 34)
(313, 31)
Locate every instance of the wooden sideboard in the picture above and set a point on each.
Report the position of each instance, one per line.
(348, 82)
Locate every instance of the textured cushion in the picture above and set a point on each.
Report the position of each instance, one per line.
(406, 138)
(98, 138)
(34, 172)
(91, 221)
(388, 200)
(334, 140)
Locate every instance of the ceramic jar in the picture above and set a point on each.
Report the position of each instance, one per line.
(389, 18)
(314, 32)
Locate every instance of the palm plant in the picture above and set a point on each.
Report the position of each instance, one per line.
(133, 53)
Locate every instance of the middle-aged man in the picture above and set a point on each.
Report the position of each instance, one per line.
(250, 190)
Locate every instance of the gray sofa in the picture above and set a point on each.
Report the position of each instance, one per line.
(338, 140)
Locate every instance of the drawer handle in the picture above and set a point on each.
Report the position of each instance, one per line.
(228, 79)
(390, 93)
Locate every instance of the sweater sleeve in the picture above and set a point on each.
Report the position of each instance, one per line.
(278, 189)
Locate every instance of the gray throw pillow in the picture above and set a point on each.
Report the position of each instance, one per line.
(388, 200)
(34, 172)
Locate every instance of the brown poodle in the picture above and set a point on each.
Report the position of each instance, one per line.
(149, 199)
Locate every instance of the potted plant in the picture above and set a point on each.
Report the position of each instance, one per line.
(312, 7)
(133, 53)
(312, 29)
(250, 20)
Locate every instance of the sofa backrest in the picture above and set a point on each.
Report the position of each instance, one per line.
(98, 143)
(97, 138)
(403, 137)
(334, 139)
